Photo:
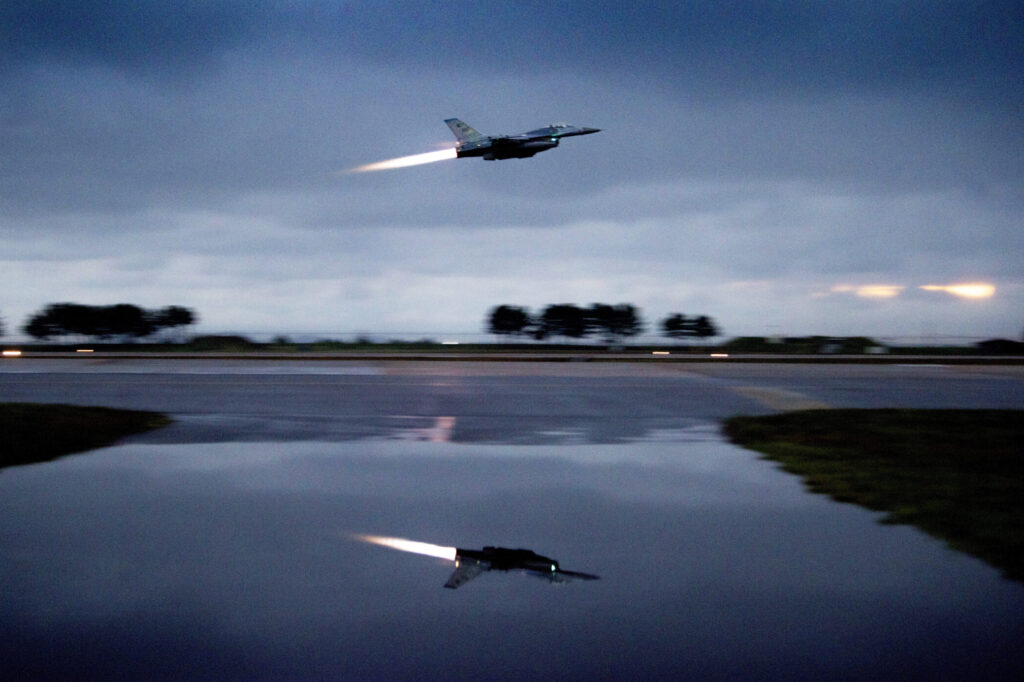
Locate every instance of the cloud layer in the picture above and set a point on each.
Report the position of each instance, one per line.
(754, 161)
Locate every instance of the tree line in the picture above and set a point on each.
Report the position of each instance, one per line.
(105, 322)
(612, 322)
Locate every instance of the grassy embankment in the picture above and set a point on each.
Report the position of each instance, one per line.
(958, 475)
(38, 433)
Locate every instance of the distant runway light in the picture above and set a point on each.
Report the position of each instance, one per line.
(973, 290)
(719, 355)
(12, 353)
(413, 546)
(405, 161)
(660, 352)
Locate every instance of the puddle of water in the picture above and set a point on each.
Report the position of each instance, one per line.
(236, 560)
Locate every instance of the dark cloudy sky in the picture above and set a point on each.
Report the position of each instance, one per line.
(785, 167)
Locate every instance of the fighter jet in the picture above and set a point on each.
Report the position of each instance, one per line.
(469, 563)
(522, 146)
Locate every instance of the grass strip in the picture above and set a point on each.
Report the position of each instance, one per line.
(31, 432)
(958, 475)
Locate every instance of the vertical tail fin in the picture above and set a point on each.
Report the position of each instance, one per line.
(463, 132)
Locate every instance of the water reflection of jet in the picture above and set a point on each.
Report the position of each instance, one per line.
(469, 563)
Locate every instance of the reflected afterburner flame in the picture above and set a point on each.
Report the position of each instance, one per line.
(404, 545)
(405, 161)
(973, 290)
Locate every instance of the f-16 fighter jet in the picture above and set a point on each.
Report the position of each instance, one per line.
(469, 563)
(522, 146)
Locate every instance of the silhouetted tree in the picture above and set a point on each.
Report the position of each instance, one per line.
(39, 327)
(59, 319)
(563, 319)
(675, 326)
(122, 320)
(614, 322)
(705, 328)
(103, 322)
(1, 327)
(172, 317)
(509, 320)
(678, 326)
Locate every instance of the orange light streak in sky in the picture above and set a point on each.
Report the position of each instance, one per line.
(973, 290)
(870, 290)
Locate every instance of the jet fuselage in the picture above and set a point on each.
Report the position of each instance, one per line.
(522, 146)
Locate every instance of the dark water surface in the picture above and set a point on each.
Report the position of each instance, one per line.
(236, 560)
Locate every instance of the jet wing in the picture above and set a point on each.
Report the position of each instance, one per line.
(464, 572)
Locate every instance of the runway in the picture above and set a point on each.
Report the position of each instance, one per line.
(497, 402)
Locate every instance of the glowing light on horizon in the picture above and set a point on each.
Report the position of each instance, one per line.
(972, 290)
(879, 291)
(406, 161)
(871, 290)
(403, 545)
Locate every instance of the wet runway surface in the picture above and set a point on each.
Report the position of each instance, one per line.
(225, 546)
(509, 402)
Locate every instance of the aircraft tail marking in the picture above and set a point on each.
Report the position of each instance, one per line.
(463, 132)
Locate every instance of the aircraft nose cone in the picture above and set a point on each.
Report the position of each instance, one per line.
(587, 131)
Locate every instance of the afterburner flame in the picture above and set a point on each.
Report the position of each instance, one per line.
(974, 290)
(405, 161)
(404, 545)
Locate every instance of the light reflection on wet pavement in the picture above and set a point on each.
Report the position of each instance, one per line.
(223, 548)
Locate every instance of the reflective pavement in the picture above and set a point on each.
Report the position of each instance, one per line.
(227, 545)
